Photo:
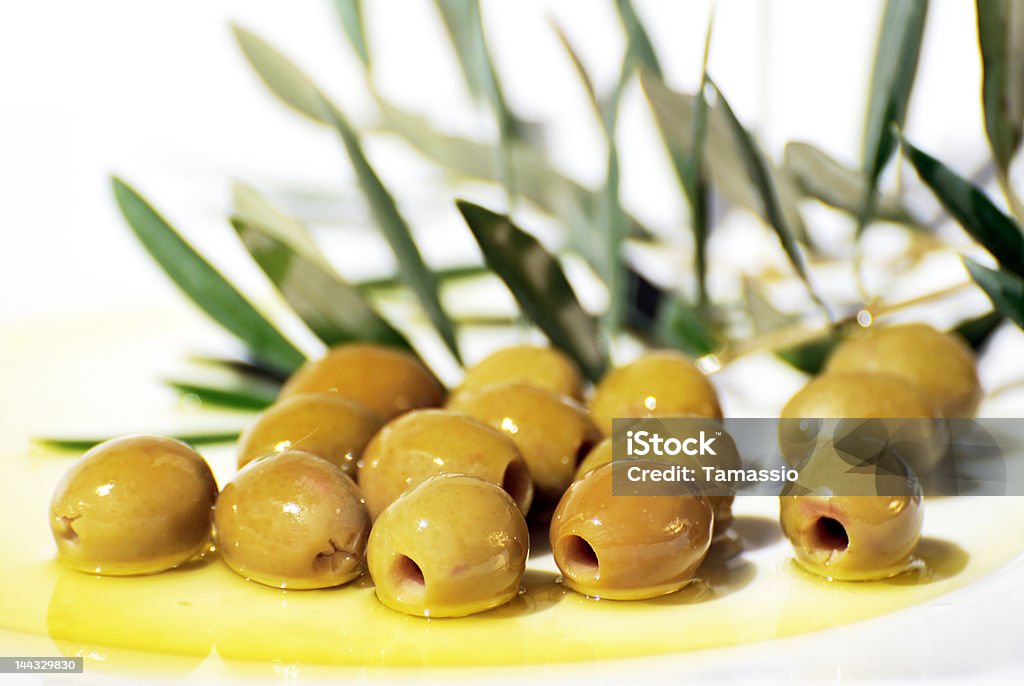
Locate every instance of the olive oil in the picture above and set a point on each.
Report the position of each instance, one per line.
(203, 616)
(203, 608)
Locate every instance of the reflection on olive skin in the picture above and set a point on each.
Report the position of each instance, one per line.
(628, 548)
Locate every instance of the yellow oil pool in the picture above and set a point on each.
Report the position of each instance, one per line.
(204, 611)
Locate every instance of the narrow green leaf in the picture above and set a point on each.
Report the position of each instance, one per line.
(985, 222)
(808, 357)
(83, 443)
(536, 280)
(245, 368)
(892, 79)
(536, 179)
(351, 14)
(281, 76)
(464, 24)
(203, 284)
(824, 178)
(612, 219)
(811, 357)
(686, 328)
(238, 395)
(1001, 39)
(644, 301)
(978, 331)
(761, 176)
(394, 228)
(723, 160)
(251, 206)
(639, 49)
(577, 207)
(472, 271)
(581, 74)
(694, 180)
(1004, 289)
(334, 310)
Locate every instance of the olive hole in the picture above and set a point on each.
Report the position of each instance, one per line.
(830, 534)
(578, 557)
(407, 575)
(516, 481)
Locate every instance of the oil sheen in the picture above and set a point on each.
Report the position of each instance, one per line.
(202, 612)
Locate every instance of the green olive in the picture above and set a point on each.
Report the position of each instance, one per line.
(552, 432)
(727, 457)
(852, 537)
(292, 520)
(327, 425)
(941, 364)
(133, 505)
(659, 384)
(453, 546)
(628, 547)
(386, 380)
(424, 443)
(543, 367)
(911, 419)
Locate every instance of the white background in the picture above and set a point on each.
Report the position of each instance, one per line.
(158, 92)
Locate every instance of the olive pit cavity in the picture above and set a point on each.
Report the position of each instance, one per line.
(830, 534)
(408, 576)
(516, 481)
(579, 556)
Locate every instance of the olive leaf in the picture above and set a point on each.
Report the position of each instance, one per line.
(1005, 289)
(690, 172)
(237, 395)
(761, 176)
(80, 444)
(251, 206)
(334, 310)
(985, 222)
(350, 12)
(824, 178)
(1001, 39)
(394, 228)
(639, 54)
(577, 207)
(204, 284)
(978, 331)
(686, 328)
(444, 274)
(644, 300)
(639, 49)
(464, 24)
(281, 76)
(612, 218)
(892, 79)
(809, 357)
(538, 284)
(723, 159)
(249, 369)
